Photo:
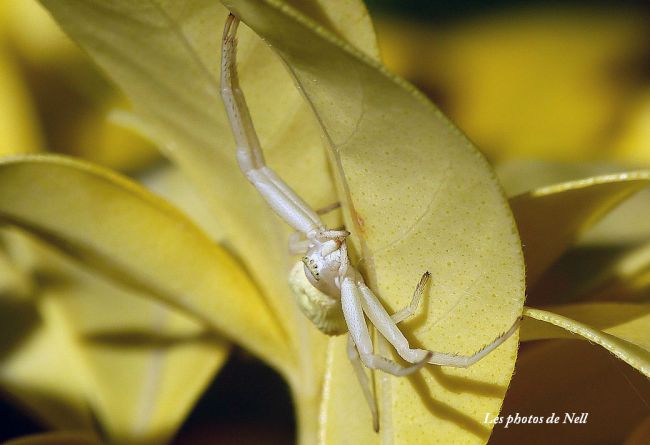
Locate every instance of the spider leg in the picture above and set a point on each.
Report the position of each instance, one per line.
(354, 318)
(282, 199)
(464, 361)
(364, 381)
(387, 326)
(409, 311)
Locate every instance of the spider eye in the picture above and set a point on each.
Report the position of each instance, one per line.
(311, 267)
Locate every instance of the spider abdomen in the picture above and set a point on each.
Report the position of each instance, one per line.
(324, 311)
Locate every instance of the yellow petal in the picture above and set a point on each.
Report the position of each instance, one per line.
(120, 228)
(423, 199)
(622, 329)
(551, 218)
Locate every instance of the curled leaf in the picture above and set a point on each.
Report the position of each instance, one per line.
(551, 218)
(621, 329)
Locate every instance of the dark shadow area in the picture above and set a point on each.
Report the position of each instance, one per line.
(247, 403)
(577, 274)
(447, 412)
(18, 320)
(15, 423)
(440, 11)
(135, 339)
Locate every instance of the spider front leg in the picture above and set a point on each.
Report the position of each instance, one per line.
(387, 326)
(351, 304)
(282, 199)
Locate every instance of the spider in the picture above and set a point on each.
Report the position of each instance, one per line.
(330, 291)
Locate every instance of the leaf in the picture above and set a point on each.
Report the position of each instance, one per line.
(19, 132)
(139, 366)
(573, 376)
(148, 365)
(621, 226)
(120, 228)
(551, 218)
(419, 197)
(38, 358)
(621, 329)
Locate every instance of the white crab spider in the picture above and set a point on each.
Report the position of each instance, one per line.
(330, 291)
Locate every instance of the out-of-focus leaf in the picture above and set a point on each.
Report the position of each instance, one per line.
(29, 29)
(100, 136)
(634, 143)
(621, 226)
(550, 83)
(641, 434)
(147, 364)
(59, 74)
(552, 217)
(40, 365)
(57, 438)
(127, 232)
(418, 197)
(143, 365)
(624, 330)
(630, 275)
(573, 376)
(19, 132)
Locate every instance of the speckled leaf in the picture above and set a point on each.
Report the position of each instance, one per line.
(622, 329)
(551, 218)
(418, 197)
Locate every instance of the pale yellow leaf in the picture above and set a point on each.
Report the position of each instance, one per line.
(40, 365)
(140, 364)
(621, 225)
(125, 231)
(622, 329)
(551, 218)
(19, 130)
(147, 364)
